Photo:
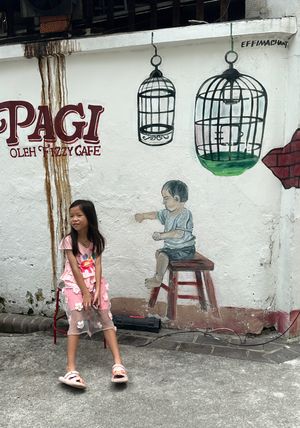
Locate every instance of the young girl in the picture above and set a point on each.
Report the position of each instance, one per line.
(85, 291)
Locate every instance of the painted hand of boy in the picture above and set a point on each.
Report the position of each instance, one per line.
(156, 236)
(139, 217)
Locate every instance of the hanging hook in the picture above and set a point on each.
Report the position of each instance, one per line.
(156, 59)
(231, 36)
(231, 56)
(155, 48)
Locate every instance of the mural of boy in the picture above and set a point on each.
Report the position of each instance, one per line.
(179, 241)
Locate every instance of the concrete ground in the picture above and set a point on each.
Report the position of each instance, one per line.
(167, 388)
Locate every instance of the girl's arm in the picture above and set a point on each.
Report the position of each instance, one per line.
(98, 273)
(87, 300)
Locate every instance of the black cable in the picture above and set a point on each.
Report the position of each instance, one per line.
(207, 333)
(275, 338)
(173, 333)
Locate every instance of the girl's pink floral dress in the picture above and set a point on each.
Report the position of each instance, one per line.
(96, 318)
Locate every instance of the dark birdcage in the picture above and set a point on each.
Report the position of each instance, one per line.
(156, 107)
(230, 114)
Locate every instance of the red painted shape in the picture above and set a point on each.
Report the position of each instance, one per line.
(59, 122)
(285, 162)
(21, 114)
(92, 137)
(272, 159)
(295, 170)
(13, 108)
(281, 172)
(44, 124)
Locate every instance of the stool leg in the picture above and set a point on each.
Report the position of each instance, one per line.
(210, 290)
(55, 315)
(153, 297)
(172, 295)
(200, 290)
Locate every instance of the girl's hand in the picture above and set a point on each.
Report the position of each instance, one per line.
(97, 298)
(87, 300)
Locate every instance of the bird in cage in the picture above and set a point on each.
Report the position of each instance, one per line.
(230, 114)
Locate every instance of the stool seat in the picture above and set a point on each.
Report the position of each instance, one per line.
(201, 267)
(198, 262)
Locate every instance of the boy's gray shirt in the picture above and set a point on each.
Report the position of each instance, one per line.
(181, 221)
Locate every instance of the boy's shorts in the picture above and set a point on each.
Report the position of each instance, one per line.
(184, 253)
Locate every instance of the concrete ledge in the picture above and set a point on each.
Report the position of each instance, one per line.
(17, 323)
(283, 28)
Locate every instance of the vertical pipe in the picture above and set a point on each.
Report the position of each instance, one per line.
(153, 15)
(110, 14)
(176, 13)
(10, 19)
(131, 15)
(88, 12)
(224, 6)
(200, 10)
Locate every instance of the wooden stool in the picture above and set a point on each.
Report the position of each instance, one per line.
(63, 316)
(56, 317)
(201, 266)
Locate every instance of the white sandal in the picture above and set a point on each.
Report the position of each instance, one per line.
(119, 374)
(73, 379)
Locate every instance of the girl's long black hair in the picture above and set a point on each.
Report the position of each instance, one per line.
(93, 233)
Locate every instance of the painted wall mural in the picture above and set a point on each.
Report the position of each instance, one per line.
(156, 107)
(178, 253)
(284, 162)
(230, 114)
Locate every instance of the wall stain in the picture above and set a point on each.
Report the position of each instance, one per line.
(49, 48)
(2, 304)
(51, 58)
(35, 301)
(39, 295)
(29, 297)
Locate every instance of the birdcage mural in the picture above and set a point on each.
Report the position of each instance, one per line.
(156, 107)
(230, 114)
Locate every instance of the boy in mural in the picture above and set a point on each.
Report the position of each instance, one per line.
(179, 241)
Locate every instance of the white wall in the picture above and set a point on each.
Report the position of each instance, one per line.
(271, 8)
(288, 296)
(237, 220)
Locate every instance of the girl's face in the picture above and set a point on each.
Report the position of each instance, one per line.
(79, 222)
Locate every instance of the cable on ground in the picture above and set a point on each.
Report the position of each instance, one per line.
(243, 342)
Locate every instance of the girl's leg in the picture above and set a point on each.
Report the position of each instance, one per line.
(111, 339)
(72, 346)
(119, 373)
(72, 379)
